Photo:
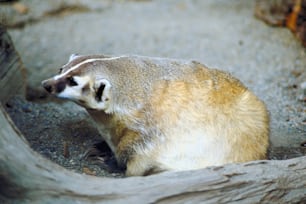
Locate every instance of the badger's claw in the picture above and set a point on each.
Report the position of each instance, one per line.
(101, 154)
(100, 149)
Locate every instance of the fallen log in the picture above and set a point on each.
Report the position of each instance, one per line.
(12, 73)
(27, 177)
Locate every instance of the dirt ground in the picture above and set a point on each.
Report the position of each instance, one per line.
(223, 34)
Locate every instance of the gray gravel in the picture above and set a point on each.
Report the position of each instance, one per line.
(219, 33)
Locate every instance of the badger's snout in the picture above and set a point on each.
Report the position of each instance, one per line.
(47, 85)
(52, 86)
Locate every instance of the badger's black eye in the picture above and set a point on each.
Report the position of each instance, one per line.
(71, 81)
(60, 70)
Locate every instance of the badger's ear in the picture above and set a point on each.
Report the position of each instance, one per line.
(102, 90)
(72, 57)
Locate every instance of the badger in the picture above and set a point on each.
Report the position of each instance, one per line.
(159, 114)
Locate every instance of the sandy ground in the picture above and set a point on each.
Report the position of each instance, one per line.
(223, 34)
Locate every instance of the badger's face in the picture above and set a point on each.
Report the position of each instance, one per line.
(77, 82)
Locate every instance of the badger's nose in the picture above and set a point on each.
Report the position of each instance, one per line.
(47, 85)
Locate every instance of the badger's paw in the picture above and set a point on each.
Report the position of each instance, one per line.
(101, 155)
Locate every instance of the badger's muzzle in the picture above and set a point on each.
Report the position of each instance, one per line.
(54, 86)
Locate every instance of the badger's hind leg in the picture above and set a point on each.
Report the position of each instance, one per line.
(133, 153)
(142, 166)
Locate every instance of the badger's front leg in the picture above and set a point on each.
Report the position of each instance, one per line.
(133, 153)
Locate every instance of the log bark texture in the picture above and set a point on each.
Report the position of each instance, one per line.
(12, 74)
(27, 177)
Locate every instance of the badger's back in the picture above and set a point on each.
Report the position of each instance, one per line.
(206, 117)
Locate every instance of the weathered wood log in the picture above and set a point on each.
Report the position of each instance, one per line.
(12, 74)
(27, 177)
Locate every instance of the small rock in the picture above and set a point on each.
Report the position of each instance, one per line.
(303, 87)
(26, 109)
(88, 171)
(302, 96)
(296, 73)
(72, 162)
(66, 153)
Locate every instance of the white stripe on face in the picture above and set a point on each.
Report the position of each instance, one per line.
(81, 63)
(75, 92)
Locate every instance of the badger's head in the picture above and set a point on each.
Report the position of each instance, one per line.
(79, 81)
